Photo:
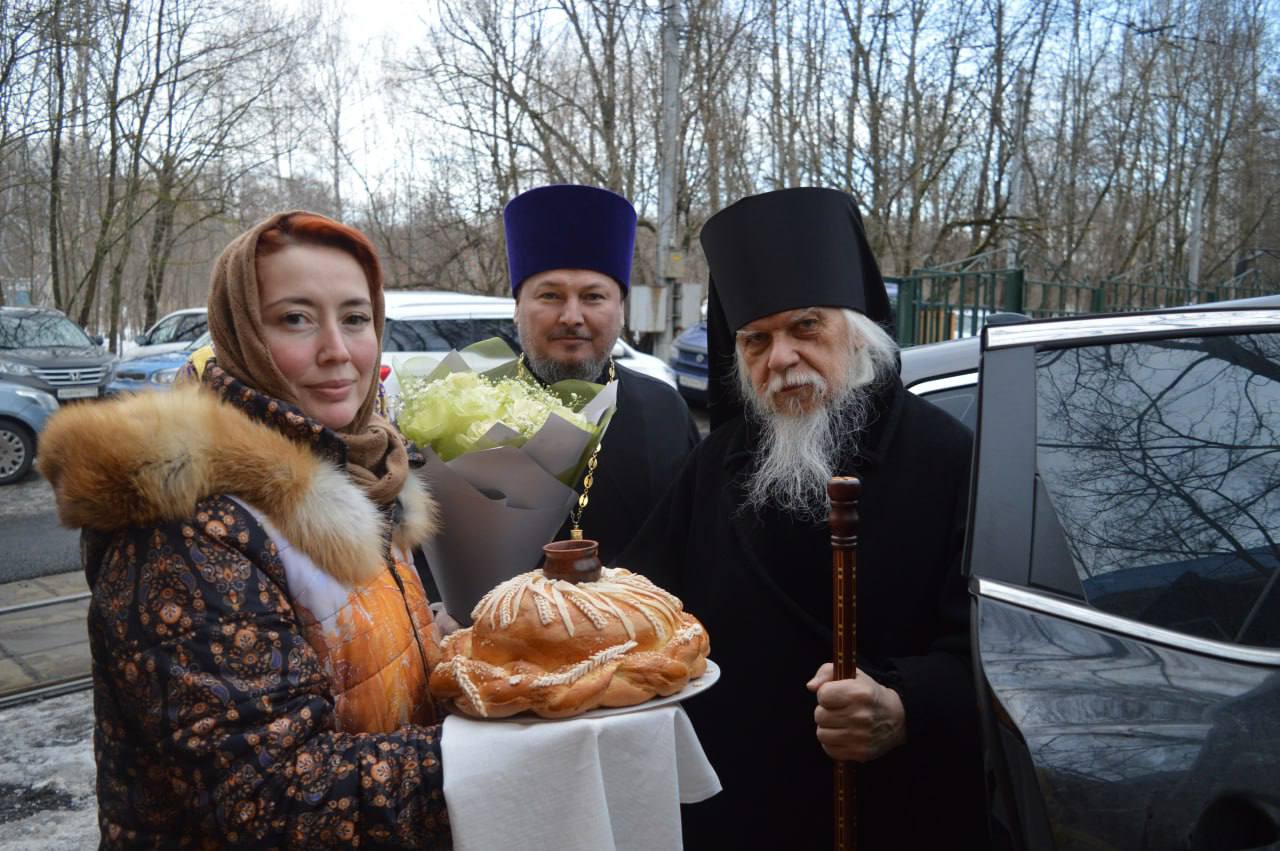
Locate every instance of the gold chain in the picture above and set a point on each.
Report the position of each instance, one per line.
(575, 532)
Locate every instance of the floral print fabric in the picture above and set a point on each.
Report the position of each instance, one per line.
(215, 721)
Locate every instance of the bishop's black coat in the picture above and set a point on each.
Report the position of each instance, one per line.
(761, 584)
(647, 442)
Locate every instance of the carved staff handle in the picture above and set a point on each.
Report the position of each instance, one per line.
(844, 492)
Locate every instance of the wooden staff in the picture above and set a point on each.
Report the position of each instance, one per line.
(844, 492)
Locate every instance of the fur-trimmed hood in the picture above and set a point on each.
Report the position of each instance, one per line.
(150, 458)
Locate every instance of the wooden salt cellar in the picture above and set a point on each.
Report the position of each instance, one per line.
(572, 561)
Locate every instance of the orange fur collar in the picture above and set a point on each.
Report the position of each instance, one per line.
(151, 457)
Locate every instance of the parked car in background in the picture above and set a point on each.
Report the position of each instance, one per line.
(171, 333)
(153, 372)
(432, 322)
(1124, 560)
(946, 373)
(23, 411)
(627, 355)
(690, 363)
(43, 349)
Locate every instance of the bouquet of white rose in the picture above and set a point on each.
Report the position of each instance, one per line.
(503, 454)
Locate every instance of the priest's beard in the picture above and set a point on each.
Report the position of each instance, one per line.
(798, 453)
(551, 371)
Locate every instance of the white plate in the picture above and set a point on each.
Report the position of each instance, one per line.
(693, 689)
(692, 381)
(77, 392)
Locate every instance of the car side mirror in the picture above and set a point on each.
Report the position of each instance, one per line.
(98, 339)
(140, 340)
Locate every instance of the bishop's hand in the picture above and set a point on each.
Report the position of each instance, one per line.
(857, 719)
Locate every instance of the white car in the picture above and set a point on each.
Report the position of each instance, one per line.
(171, 333)
(433, 322)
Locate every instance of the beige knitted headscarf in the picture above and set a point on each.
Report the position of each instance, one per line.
(376, 456)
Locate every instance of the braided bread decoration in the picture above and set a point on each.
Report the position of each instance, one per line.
(561, 648)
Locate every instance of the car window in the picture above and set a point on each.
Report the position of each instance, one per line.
(959, 402)
(191, 327)
(1158, 464)
(956, 394)
(40, 330)
(200, 342)
(164, 330)
(441, 335)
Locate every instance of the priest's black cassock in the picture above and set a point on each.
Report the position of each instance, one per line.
(761, 581)
(647, 442)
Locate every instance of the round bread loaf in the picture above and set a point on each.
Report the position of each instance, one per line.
(560, 648)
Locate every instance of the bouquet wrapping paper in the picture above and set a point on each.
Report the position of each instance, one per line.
(503, 488)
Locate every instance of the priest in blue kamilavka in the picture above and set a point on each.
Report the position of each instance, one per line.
(569, 251)
(805, 386)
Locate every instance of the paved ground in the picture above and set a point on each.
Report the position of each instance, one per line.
(38, 561)
(47, 800)
(31, 541)
(32, 495)
(46, 644)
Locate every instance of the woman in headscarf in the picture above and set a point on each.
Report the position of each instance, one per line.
(261, 642)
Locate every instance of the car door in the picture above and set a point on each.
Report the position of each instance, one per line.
(1124, 554)
(166, 330)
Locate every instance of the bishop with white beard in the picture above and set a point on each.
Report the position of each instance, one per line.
(805, 386)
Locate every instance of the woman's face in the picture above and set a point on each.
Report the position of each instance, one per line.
(318, 322)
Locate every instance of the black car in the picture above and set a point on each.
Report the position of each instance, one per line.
(945, 374)
(690, 363)
(1124, 557)
(44, 349)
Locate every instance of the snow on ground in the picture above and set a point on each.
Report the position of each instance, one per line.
(47, 784)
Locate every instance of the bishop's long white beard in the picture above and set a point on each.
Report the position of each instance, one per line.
(799, 453)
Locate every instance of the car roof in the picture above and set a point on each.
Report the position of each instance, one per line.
(25, 310)
(433, 304)
(950, 357)
(1145, 323)
(399, 298)
(1256, 301)
(938, 360)
(182, 310)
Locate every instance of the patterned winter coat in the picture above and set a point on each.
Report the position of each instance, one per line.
(261, 643)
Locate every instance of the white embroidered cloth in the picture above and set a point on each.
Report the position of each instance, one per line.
(593, 783)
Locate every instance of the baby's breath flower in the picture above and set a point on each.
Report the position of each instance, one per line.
(452, 413)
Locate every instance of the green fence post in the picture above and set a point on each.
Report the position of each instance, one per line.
(907, 296)
(1015, 282)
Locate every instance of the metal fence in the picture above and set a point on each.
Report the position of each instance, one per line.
(946, 302)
